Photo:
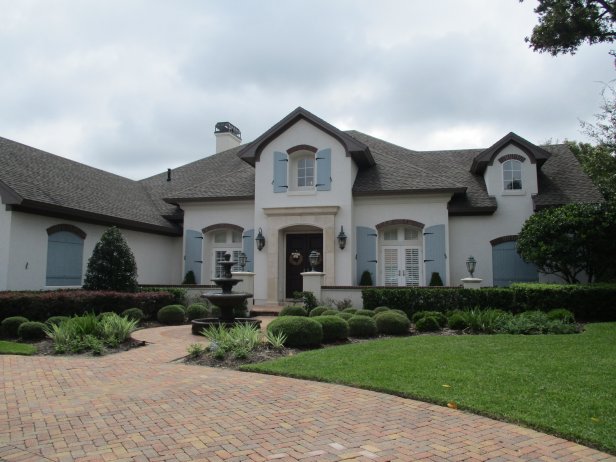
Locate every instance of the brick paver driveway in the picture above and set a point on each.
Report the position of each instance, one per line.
(137, 406)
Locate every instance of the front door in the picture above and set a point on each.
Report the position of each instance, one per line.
(401, 266)
(299, 247)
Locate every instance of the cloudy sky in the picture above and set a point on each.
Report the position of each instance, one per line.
(135, 87)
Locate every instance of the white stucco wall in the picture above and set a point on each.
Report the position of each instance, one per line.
(5, 245)
(158, 257)
(429, 209)
(343, 171)
(198, 216)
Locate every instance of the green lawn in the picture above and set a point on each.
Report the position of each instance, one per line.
(13, 348)
(561, 384)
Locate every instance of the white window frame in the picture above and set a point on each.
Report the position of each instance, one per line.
(294, 168)
(509, 175)
(400, 247)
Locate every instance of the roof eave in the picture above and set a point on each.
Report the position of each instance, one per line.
(535, 153)
(468, 211)
(393, 192)
(178, 200)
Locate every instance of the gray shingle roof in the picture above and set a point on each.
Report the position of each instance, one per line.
(38, 180)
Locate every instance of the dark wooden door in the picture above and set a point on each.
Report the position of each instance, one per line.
(299, 247)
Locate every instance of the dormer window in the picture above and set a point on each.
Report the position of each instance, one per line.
(512, 175)
(302, 170)
(305, 172)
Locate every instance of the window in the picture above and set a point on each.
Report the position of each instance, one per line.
(401, 261)
(220, 255)
(64, 256)
(302, 170)
(220, 242)
(512, 175)
(305, 172)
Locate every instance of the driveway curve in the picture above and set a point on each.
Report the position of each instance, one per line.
(138, 406)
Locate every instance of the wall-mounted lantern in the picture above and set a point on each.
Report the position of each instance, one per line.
(260, 240)
(242, 261)
(471, 264)
(342, 238)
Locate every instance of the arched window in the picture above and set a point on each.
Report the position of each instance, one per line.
(302, 171)
(64, 256)
(512, 175)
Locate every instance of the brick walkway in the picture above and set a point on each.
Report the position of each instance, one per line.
(136, 406)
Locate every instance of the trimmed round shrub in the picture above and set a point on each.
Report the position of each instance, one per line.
(362, 327)
(56, 320)
(350, 310)
(171, 315)
(401, 313)
(440, 317)
(300, 331)
(11, 324)
(427, 324)
(381, 309)
(345, 316)
(561, 314)
(334, 328)
(32, 330)
(457, 322)
(134, 314)
(293, 310)
(318, 310)
(364, 313)
(196, 311)
(390, 323)
(330, 312)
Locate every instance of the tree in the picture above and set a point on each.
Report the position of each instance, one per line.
(112, 264)
(565, 24)
(604, 130)
(571, 240)
(599, 163)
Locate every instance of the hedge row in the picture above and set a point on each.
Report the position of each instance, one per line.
(588, 302)
(39, 306)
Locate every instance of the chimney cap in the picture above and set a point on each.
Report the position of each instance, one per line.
(227, 127)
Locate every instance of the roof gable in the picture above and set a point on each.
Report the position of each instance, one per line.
(535, 153)
(358, 151)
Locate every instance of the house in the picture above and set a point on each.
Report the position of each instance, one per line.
(406, 214)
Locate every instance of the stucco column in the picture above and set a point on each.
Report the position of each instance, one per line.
(312, 282)
(246, 285)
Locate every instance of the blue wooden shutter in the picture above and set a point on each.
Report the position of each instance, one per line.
(64, 259)
(193, 257)
(508, 266)
(249, 249)
(324, 169)
(281, 163)
(435, 252)
(366, 252)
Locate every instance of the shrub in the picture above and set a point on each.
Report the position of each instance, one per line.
(364, 313)
(350, 310)
(561, 315)
(300, 331)
(105, 313)
(11, 325)
(293, 310)
(401, 313)
(171, 315)
(240, 340)
(345, 316)
(32, 330)
(134, 314)
(319, 310)
(307, 298)
(196, 311)
(435, 279)
(390, 323)
(365, 279)
(380, 309)
(427, 324)
(196, 350)
(362, 327)
(56, 320)
(114, 329)
(330, 312)
(189, 279)
(112, 264)
(343, 304)
(334, 328)
(440, 317)
(486, 321)
(457, 322)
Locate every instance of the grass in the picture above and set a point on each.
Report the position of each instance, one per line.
(14, 348)
(560, 384)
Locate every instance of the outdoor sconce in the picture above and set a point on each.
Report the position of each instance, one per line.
(471, 263)
(314, 259)
(242, 261)
(260, 240)
(342, 238)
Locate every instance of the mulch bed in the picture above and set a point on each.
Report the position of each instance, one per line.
(45, 348)
(260, 354)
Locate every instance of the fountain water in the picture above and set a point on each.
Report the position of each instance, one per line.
(226, 300)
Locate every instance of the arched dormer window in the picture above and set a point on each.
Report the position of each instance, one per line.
(512, 175)
(302, 168)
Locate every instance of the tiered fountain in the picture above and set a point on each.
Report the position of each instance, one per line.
(226, 300)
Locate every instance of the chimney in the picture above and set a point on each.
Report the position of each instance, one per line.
(227, 136)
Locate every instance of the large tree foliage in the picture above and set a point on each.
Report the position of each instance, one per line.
(571, 240)
(565, 24)
(112, 264)
(603, 131)
(599, 164)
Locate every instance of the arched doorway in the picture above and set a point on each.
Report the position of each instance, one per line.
(299, 242)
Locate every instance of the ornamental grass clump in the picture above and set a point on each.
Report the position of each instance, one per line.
(335, 328)
(300, 331)
(390, 323)
(239, 340)
(561, 314)
(56, 320)
(362, 327)
(486, 321)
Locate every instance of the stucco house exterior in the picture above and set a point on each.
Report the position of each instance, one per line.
(406, 214)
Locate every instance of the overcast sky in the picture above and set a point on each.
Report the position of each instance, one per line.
(134, 87)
